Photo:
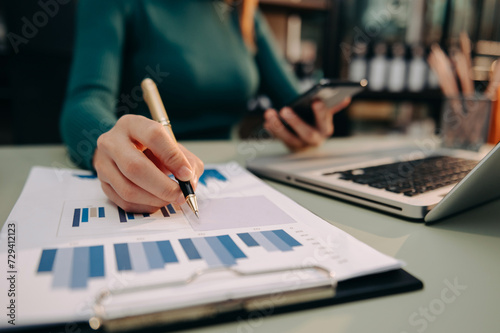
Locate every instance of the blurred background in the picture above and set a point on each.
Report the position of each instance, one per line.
(384, 41)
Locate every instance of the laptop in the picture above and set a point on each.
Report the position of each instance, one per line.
(405, 180)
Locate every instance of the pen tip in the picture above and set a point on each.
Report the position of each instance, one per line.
(197, 214)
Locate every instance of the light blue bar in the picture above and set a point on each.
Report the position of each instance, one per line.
(264, 242)
(155, 260)
(80, 269)
(206, 252)
(62, 268)
(138, 257)
(280, 244)
(220, 250)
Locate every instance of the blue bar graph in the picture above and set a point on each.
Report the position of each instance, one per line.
(273, 240)
(211, 173)
(231, 246)
(72, 267)
(87, 214)
(190, 249)
(144, 256)
(127, 216)
(215, 251)
(247, 239)
(278, 242)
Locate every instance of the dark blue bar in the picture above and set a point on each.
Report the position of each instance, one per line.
(286, 238)
(171, 209)
(85, 215)
(164, 212)
(231, 246)
(145, 214)
(47, 260)
(167, 252)
(96, 261)
(101, 212)
(130, 216)
(249, 241)
(122, 257)
(189, 248)
(76, 218)
(121, 213)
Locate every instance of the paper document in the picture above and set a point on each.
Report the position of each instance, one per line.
(72, 243)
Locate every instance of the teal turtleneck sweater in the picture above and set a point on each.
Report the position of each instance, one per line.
(192, 49)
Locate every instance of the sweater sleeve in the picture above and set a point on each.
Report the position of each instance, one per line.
(91, 96)
(277, 81)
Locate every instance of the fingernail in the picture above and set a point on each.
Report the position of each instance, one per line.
(185, 173)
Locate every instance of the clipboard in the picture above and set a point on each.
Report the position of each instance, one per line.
(331, 293)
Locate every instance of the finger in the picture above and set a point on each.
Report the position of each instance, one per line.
(310, 135)
(324, 118)
(137, 168)
(126, 206)
(109, 173)
(274, 125)
(154, 136)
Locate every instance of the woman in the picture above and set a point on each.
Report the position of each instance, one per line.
(207, 57)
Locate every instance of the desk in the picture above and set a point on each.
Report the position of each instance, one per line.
(462, 251)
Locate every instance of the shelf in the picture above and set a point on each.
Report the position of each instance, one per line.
(297, 4)
(425, 96)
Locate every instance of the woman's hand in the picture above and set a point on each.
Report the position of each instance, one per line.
(307, 135)
(133, 161)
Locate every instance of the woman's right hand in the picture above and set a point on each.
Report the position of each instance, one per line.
(133, 161)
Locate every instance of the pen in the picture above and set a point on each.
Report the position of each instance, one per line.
(159, 114)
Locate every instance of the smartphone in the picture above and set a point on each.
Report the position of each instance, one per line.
(331, 92)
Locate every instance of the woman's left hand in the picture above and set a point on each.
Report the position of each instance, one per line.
(306, 135)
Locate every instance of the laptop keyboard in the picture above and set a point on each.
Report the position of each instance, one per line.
(411, 178)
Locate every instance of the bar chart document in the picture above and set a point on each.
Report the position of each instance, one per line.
(72, 245)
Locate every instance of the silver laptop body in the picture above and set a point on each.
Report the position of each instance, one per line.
(307, 170)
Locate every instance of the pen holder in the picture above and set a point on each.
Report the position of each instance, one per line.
(465, 122)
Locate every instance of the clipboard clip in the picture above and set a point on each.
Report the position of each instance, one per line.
(297, 295)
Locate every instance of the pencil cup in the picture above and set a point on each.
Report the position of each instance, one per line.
(465, 122)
